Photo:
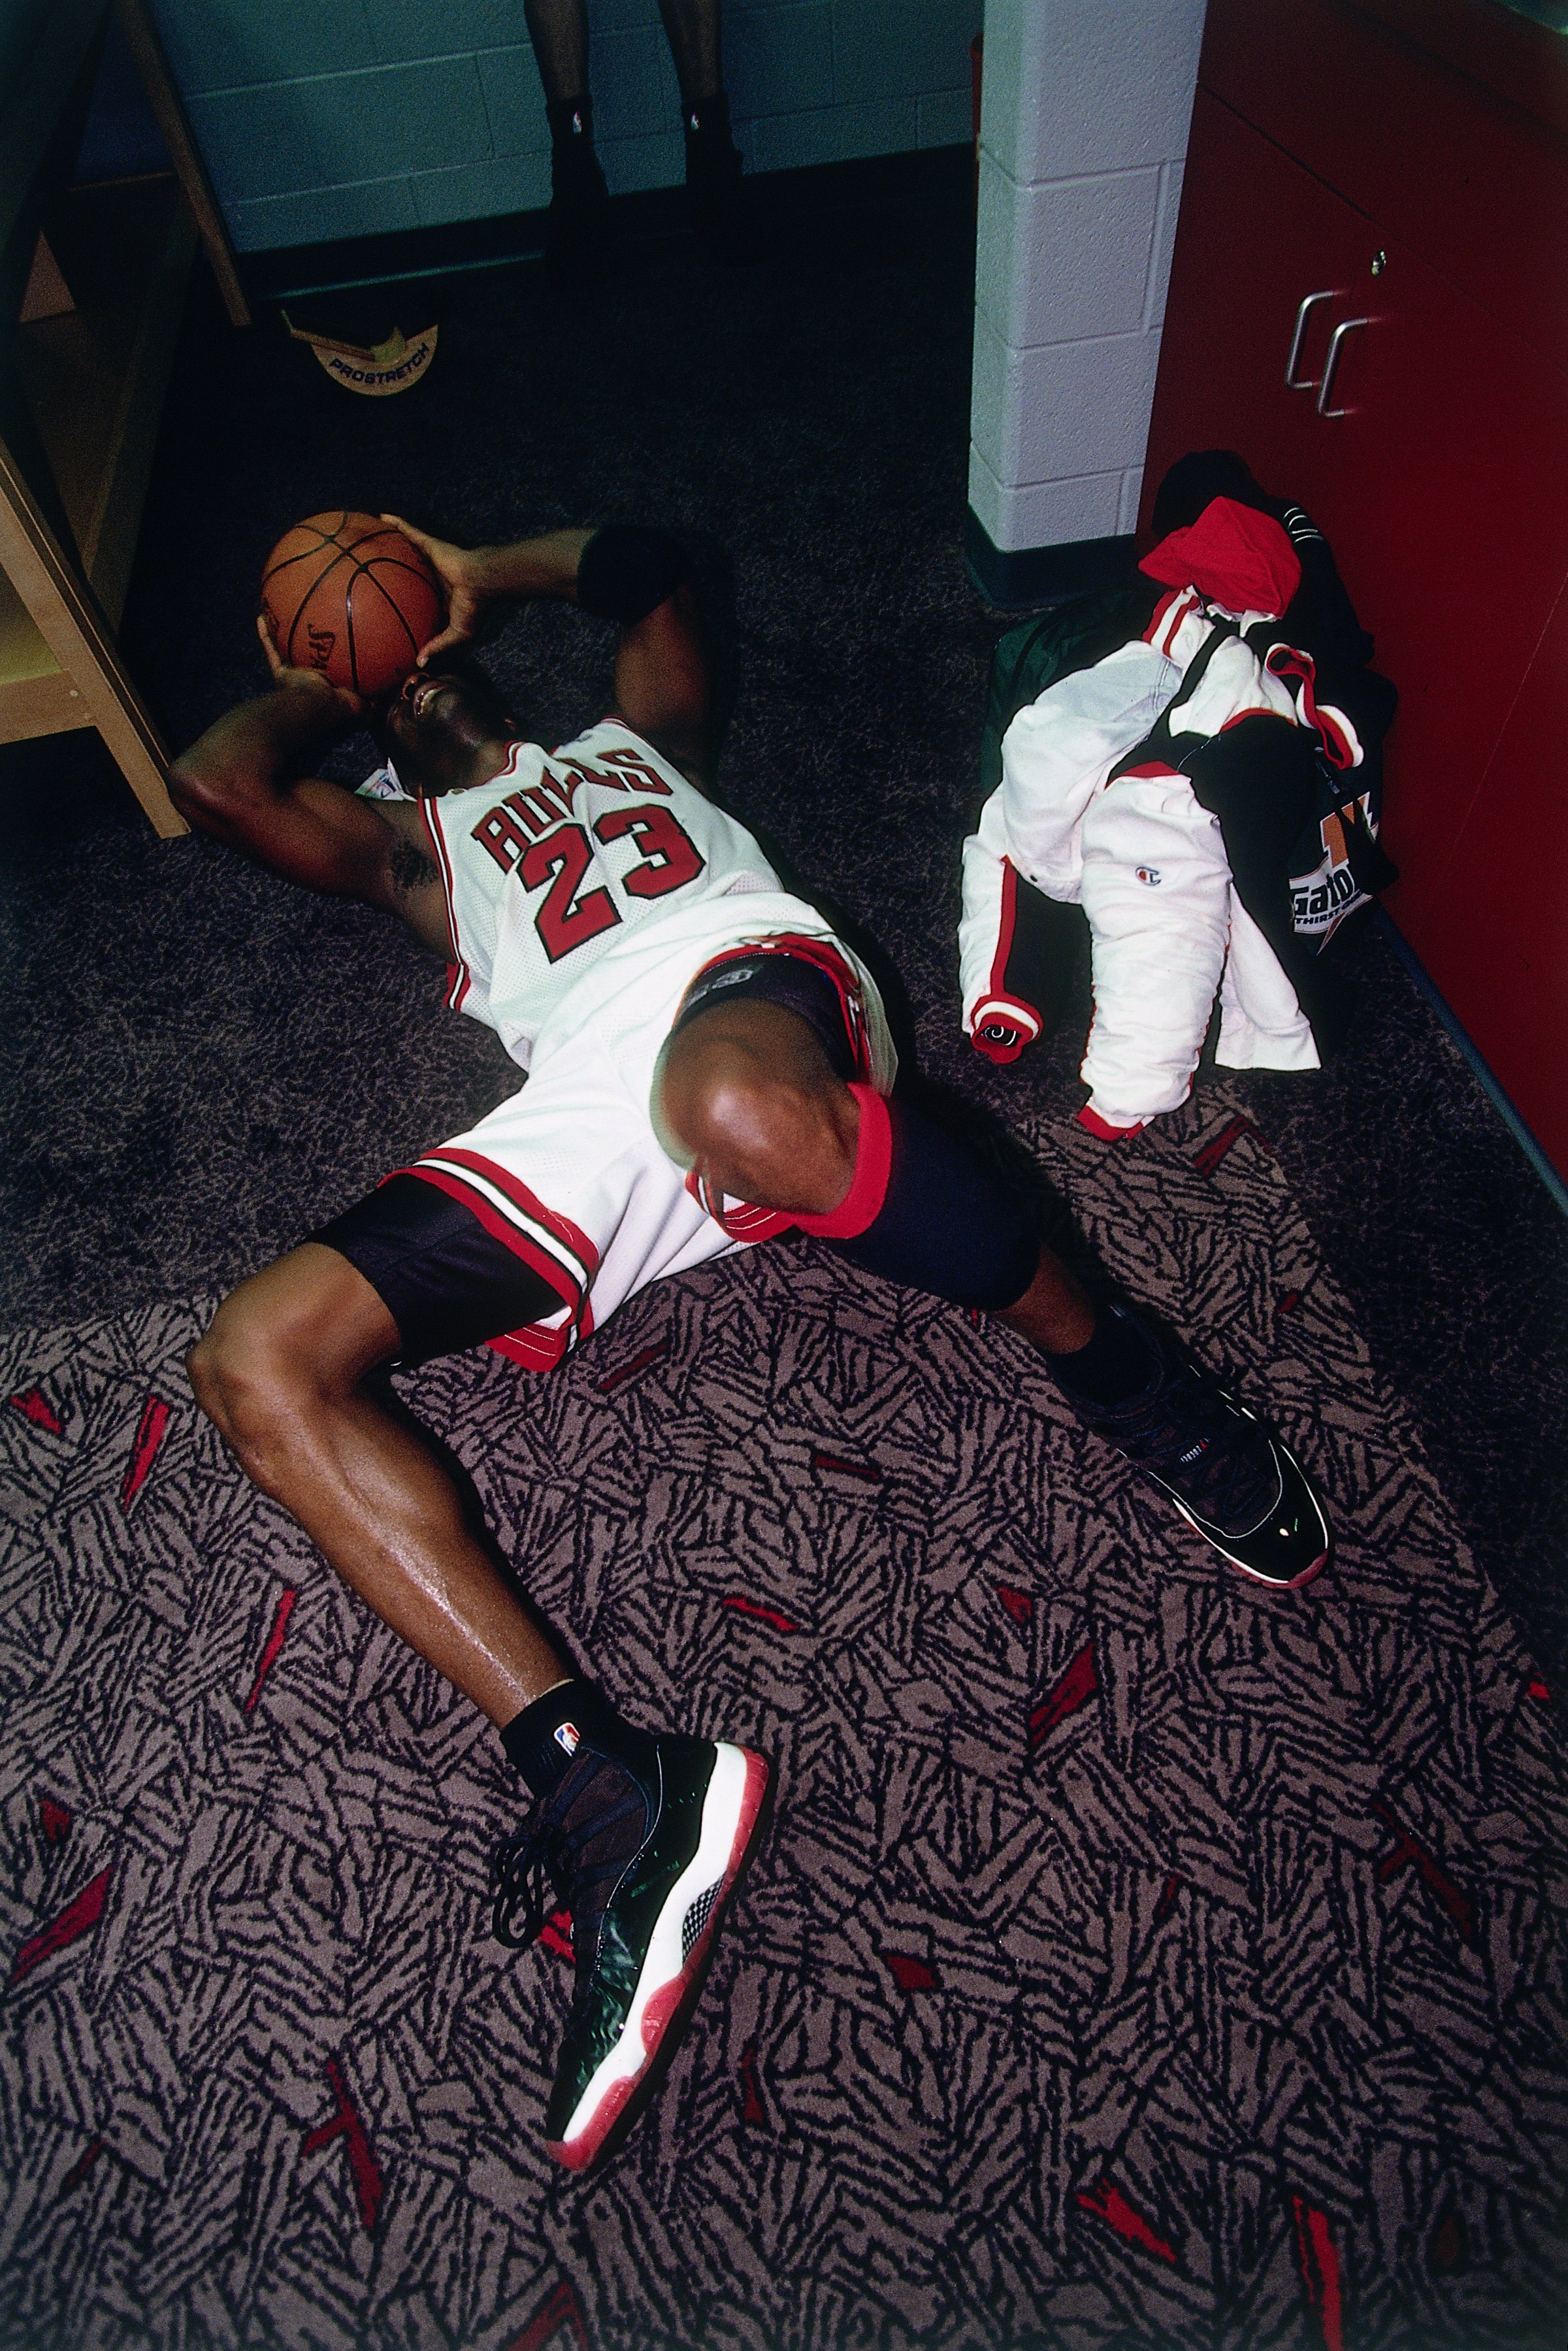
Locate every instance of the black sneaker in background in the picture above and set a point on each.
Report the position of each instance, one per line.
(1231, 1478)
(645, 1849)
(577, 229)
(717, 196)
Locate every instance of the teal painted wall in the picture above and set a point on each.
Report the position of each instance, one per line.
(325, 118)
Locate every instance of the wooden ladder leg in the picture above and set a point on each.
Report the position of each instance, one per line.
(67, 618)
(184, 153)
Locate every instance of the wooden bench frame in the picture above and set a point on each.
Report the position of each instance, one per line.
(80, 395)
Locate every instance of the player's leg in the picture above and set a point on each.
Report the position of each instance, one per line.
(577, 232)
(719, 210)
(284, 1372)
(749, 1095)
(640, 1836)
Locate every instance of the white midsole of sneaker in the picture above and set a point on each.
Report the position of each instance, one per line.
(665, 1960)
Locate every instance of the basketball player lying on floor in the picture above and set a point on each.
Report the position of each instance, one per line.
(708, 1066)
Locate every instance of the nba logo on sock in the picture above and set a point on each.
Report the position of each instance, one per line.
(1150, 874)
(565, 1734)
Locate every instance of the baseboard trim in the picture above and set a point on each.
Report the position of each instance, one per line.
(784, 201)
(1427, 987)
(1013, 578)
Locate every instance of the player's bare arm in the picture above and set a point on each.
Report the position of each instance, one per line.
(664, 687)
(249, 781)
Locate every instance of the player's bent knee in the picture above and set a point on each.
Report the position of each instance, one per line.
(285, 1342)
(765, 1136)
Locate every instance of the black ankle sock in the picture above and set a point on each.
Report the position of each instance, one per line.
(1115, 1365)
(543, 1741)
(707, 121)
(571, 122)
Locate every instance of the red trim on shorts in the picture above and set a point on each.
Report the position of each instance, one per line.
(549, 1268)
(535, 1346)
(539, 1349)
(573, 1236)
(861, 1204)
(745, 1221)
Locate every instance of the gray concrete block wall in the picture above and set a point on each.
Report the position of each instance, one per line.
(1084, 132)
(323, 119)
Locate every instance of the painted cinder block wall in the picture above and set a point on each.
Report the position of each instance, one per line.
(326, 119)
(1084, 119)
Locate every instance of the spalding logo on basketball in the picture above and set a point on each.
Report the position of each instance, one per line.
(349, 595)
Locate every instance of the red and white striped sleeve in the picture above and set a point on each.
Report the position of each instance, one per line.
(999, 1019)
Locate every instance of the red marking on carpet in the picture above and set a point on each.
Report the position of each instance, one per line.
(1446, 2248)
(1290, 1301)
(275, 1640)
(629, 1371)
(1207, 1160)
(1167, 1901)
(556, 1934)
(751, 2108)
(1108, 2203)
(1076, 1687)
(1537, 1689)
(861, 1469)
(34, 1406)
(369, 2181)
(54, 1820)
(144, 1452)
(77, 1919)
(1019, 1605)
(909, 1974)
(82, 2166)
(760, 1608)
(1319, 2265)
(560, 2308)
(1409, 1853)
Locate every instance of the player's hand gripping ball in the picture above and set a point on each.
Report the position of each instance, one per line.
(349, 595)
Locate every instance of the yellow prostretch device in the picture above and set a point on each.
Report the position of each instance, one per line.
(378, 369)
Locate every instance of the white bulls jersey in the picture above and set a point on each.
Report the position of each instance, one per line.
(550, 865)
(586, 889)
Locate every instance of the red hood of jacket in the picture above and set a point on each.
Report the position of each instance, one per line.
(1233, 556)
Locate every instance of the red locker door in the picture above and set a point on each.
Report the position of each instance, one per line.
(1443, 486)
(1257, 235)
(1444, 492)
(1500, 924)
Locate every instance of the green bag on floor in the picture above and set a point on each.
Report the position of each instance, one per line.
(1071, 636)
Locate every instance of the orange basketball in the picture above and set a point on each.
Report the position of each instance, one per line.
(349, 595)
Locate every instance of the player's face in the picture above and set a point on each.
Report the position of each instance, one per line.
(438, 724)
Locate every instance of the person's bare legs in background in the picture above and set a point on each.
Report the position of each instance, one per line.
(578, 236)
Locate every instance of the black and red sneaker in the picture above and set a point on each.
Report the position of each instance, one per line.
(645, 1848)
(1232, 1478)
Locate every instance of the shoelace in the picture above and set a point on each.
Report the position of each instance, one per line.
(1229, 1478)
(542, 1858)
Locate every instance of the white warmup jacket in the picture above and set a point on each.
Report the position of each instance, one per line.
(1146, 863)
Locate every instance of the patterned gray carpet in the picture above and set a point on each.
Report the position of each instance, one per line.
(1132, 1962)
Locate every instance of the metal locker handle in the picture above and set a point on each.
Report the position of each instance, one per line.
(1331, 365)
(1293, 383)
